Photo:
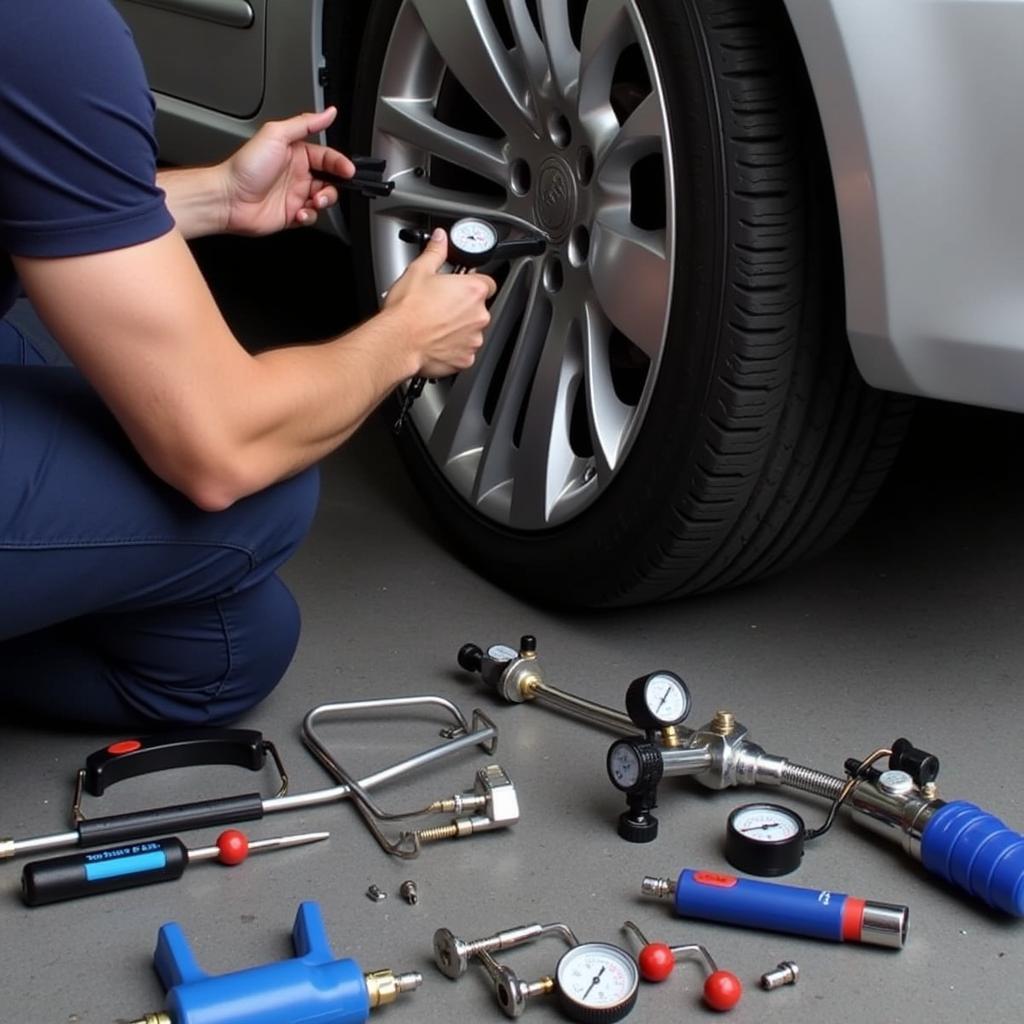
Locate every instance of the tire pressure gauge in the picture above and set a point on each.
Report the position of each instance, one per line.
(657, 700)
(597, 982)
(764, 839)
(470, 241)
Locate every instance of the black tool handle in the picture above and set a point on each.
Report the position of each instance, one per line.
(127, 758)
(122, 828)
(89, 874)
(368, 179)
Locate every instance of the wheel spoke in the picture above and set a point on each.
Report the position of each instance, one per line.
(562, 56)
(545, 458)
(413, 121)
(609, 418)
(607, 31)
(631, 274)
(529, 45)
(642, 133)
(460, 430)
(469, 43)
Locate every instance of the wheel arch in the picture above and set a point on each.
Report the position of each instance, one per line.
(841, 114)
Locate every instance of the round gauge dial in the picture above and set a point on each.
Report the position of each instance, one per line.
(597, 982)
(634, 765)
(765, 839)
(472, 235)
(657, 700)
(624, 765)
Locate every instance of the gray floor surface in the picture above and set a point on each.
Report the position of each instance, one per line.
(909, 627)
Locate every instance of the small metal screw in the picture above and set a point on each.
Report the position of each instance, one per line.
(376, 893)
(785, 974)
(407, 890)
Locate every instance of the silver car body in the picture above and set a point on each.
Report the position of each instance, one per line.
(920, 103)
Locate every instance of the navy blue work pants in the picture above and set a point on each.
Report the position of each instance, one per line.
(122, 605)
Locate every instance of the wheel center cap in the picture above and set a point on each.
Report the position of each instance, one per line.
(556, 197)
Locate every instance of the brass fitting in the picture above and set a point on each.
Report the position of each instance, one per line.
(153, 1018)
(383, 987)
(723, 723)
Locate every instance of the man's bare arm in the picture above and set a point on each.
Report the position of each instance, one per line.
(209, 418)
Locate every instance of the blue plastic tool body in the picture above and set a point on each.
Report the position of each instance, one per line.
(313, 988)
(768, 905)
(975, 850)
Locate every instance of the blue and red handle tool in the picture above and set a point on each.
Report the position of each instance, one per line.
(311, 988)
(137, 864)
(818, 913)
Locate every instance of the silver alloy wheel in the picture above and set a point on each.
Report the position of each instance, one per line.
(566, 133)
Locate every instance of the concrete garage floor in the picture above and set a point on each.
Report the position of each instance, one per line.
(912, 626)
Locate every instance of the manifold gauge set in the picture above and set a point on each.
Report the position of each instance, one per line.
(891, 790)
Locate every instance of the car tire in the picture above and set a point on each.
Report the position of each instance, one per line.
(748, 439)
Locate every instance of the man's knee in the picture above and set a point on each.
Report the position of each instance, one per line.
(262, 626)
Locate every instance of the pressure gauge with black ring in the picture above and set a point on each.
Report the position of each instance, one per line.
(471, 241)
(597, 982)
(634, 765)
(657, 700)
(764, 839)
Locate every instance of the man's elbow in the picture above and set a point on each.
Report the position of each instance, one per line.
(212, 482)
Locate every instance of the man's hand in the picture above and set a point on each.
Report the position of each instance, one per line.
(445, 313)
(271, 182)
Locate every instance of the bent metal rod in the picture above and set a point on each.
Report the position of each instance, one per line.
(251, 807)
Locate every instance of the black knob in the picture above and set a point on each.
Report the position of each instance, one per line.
(921, 766)
(471, 658)
(527, 645)
(638, 825)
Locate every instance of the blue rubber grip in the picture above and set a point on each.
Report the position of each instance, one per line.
(976, 851)
(769, 905)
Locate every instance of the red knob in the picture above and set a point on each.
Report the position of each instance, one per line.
(722, 990)
(233, 846)
(656, 961)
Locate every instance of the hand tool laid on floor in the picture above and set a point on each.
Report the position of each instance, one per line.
(820, 914)
(722, 989)
(247, 749)
(594, 982)
(312, 988)
(957, 841)
(138, 864)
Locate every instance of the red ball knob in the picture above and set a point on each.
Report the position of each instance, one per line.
(656, 961)
(233, 846)
(722, 990)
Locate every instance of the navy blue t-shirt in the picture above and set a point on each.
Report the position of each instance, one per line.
(77, 148)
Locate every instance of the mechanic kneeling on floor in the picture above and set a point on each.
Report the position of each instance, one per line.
(150, 492)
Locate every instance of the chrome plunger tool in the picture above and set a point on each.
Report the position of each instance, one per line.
(312, 988)
(138, 864)
(956, 840)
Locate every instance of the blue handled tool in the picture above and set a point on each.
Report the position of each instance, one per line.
(136, 864)
(820, 914)
(312, 988)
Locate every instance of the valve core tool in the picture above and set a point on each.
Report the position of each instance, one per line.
(722, 989)
(138, 864)
(594, 982)
(472, 243)
(312, 988)
(819, 914)
(956, 840)
(244, 748)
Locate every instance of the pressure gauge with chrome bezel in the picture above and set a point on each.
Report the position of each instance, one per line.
(597, 982)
